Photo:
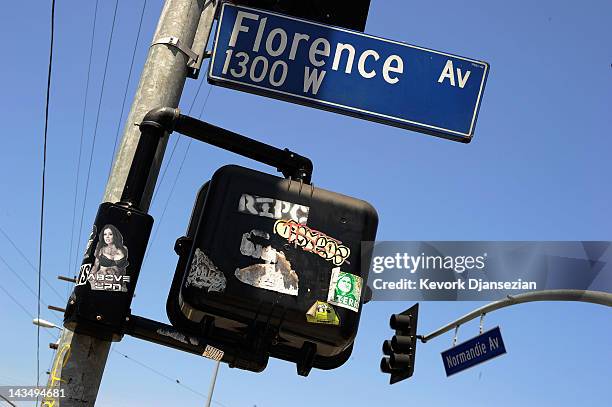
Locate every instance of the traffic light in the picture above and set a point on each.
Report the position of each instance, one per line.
(401, 349)
(345, 14)
(271, 267)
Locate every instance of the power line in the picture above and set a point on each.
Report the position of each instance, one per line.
(158, 225)
(23, 256)
(78, 171)
(163, 175)
(20, 279)
(144, 5)
(157, 372)
(42, 197)
(23, 308)
(178, 173)
(93, 143)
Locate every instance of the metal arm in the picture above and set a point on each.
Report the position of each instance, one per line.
(595, 297)
(162, 121)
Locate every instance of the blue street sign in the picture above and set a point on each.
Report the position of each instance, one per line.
(483, 347)
(347, 72)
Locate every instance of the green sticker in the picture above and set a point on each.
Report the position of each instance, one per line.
(322, 313)
(344, 290)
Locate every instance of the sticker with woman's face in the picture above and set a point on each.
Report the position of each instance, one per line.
(344, 290)
(111, 261)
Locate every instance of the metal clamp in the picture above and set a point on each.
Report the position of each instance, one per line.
(482, 322)
(176, 42)
(455, 337)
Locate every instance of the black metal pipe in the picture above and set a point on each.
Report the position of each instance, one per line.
(162, 121)
(289, 163)
(156, 124)
(164, 334)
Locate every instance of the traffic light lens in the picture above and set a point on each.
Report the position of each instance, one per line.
(401, 343)
(387, 347)
(385, 367)
(399, 361)
(399, 321)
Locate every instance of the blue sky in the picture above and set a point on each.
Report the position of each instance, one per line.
(537, 169)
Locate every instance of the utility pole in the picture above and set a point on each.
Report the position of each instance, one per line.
(180, 38)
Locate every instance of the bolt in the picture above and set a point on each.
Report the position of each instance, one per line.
(129, 213)
(127, 318)
(71, 302)
(99, 317)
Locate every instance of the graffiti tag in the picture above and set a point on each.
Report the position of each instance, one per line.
(272, 208)
(311, 240)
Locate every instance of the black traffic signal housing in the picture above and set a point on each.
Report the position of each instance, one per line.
(348, 14)
(250, 230)
(401, 349)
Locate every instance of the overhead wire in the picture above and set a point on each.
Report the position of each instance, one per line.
(78, 169)
(127, 83)
(157, 372)
(25, 284)
(25, 310)
(23, 256)
(42, 197)
(95, 133)
(176, 141)
(191, 3)
(40, 277)
(180, 169)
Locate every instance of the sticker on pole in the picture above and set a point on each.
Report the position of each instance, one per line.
(345, 290)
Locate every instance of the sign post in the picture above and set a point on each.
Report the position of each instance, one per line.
(347, 72)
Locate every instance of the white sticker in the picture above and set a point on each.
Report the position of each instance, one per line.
(273, 208)
(213, 353)
(275, 274)
(204, 274)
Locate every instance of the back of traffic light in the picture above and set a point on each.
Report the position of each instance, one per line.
(274, 268)
(401, 348)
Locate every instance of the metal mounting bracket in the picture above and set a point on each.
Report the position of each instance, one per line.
(176, 42)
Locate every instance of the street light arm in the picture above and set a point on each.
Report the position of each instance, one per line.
(594, 297)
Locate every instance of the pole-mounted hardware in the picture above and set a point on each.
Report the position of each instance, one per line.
(100, 303)
(176, 43)
(594, 297)
(194, 61)
(161, 122)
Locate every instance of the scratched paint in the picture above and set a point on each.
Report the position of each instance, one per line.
(178, 336)
(204, 274)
